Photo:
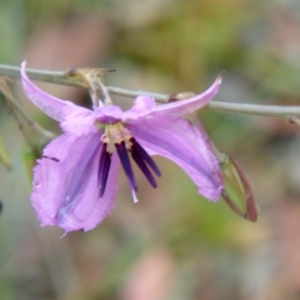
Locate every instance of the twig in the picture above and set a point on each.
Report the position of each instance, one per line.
(286, 112)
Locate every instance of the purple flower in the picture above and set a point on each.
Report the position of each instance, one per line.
(75, 181)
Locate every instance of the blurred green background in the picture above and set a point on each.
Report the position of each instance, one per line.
(172, 245)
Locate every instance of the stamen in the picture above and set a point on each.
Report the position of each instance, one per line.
(118, 138)
(140, 151)
(142, 165)
(104, 165)
(123, 155)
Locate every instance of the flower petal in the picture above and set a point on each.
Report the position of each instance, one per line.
(143, 105)
(65, 189)
(80, 122)
(54, 107)
(187, 106)
(109, 114)
(185, 144)
(91, 210)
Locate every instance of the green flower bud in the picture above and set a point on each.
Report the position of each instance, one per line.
(238, 193)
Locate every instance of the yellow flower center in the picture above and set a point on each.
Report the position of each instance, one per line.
(116, 134)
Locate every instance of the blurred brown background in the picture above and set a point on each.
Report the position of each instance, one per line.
(172, 245)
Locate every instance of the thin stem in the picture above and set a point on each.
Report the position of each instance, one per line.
(13, 104)
(242, 108)
(58, 77)
(63, 78)
(105, 92)
(256, 109)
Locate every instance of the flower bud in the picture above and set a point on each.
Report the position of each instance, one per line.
(238, 193)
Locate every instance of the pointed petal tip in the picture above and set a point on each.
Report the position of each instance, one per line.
(24, 64)
(23, 67)
(24, 61)
(219, 79)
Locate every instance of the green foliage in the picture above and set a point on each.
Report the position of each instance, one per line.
(190, 40)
